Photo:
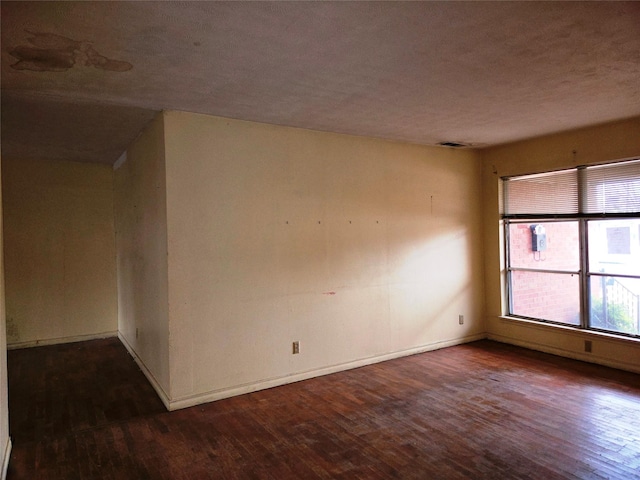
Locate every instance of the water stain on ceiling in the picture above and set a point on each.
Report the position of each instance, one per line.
(472, 74)
(49, 52)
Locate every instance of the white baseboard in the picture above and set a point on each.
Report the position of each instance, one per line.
(5, 459)
(147, 373)
(190, 401)
(561, 352)
(57, 341)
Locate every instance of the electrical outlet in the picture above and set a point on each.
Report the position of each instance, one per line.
(296, 347)
(587, 346)
(461, 319)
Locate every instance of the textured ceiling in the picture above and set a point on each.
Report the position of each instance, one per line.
(81, 79)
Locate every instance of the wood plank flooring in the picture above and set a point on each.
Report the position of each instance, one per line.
(477, 411)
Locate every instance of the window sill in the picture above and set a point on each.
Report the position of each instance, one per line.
(570, 329)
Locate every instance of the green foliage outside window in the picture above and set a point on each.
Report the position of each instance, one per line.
(617, 317)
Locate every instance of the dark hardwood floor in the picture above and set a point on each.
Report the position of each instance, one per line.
(477, 411)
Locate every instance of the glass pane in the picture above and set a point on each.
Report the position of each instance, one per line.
(547, 296)
(614, 246)
(614, 304)
(545, 245)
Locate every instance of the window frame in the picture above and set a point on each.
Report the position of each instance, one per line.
(585, 276)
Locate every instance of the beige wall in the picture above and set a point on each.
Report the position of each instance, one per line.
(615, 141)
(59, 251)
(141, 238)
(359, 249)
(5, 442)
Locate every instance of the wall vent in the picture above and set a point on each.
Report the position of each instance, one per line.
(453, 144)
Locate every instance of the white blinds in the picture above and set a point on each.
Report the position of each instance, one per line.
(601, 189)
(542, 194)
(613, 188)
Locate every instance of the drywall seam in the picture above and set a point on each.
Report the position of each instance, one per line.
(56, 341)
(561, 352)
(147, 373)
(5, 459)
(190, 401)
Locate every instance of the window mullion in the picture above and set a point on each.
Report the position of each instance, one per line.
(582, 190)
(508, 266)
(584, 274)
(583, 248)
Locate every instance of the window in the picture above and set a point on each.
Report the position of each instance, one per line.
(573, 246)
